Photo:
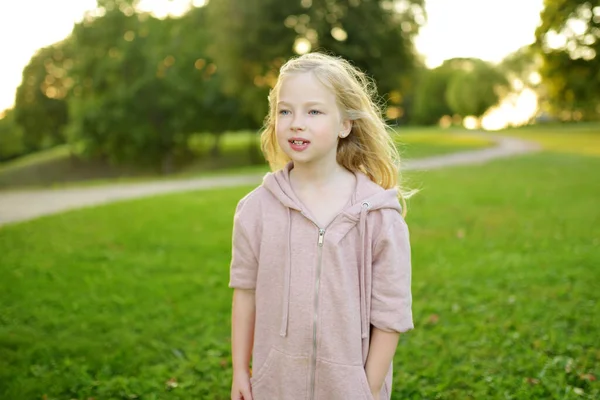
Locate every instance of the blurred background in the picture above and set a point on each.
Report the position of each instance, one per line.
(135, 87)
(130, 300)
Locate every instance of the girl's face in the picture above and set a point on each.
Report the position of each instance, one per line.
(309, 121)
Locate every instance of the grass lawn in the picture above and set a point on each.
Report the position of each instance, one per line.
(130, 300)
(418, 143)
(55, 168)
(581, 138)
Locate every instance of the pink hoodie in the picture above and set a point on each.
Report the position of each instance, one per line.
(318, 289)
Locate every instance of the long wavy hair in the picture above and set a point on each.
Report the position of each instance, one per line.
(369, 148)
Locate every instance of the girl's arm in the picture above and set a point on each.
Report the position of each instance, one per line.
(381, 353)
(242, 337)
(391, 298)
(242, 329)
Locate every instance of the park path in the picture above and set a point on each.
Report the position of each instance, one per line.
(22, 205)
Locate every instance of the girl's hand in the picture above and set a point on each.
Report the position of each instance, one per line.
(241, 389)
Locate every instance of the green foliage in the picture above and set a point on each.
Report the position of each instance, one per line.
(249, 44)
(462, 86)
(116, 107)
(430, 97)
(504, 289)
(40, 102)
(11, 137)
(474, 87)
(253, 38)
(568, 41)
(128, 88)
(522, 65)
(142, 86)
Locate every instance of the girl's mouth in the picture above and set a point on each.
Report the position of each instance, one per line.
(298, 144)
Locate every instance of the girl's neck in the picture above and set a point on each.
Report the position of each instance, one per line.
(316, 175)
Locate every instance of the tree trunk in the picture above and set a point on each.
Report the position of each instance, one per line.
(254, 152)
(167, 164)
(216, 149)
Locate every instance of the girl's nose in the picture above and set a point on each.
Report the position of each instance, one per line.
(297, 125)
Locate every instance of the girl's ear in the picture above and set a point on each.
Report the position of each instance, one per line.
(346, 128)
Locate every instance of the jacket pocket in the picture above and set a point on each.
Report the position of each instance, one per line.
(280, 377)
(341, 382)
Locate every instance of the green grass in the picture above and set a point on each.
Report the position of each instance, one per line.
(432, 142)
(54, 167)
(41, 157)
(122, 301)
(577, 138)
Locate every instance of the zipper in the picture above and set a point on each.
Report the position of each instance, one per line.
(313, 363)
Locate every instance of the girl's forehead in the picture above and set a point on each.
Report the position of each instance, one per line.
(304, 86)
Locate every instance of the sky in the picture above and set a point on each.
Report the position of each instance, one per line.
(486, 29)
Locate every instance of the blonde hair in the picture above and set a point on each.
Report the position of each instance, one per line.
(369, 148)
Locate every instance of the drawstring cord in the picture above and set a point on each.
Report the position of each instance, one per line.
(362, 270)
(286, 278)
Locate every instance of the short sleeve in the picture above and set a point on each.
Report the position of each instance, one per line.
(391, 297)
(244, 263)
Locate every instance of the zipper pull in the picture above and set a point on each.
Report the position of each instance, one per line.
(321, 235)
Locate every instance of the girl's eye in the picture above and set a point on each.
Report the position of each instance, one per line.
(315, 112)
(284, 112)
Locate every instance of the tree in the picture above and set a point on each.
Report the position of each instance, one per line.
(252, 39)
(212, 110)
(143, 85)
(430, 96)
(474, 87)
(462, 86)
(521, 68)
(11, 137)
(108, 73)
(568, 41)
(40, 102)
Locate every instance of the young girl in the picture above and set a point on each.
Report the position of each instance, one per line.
(321, 265)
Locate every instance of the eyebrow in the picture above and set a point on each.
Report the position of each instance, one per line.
(308, 103)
